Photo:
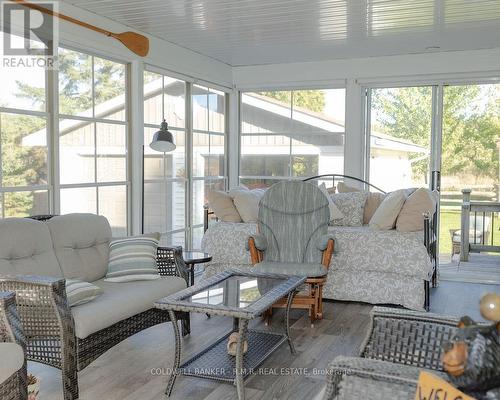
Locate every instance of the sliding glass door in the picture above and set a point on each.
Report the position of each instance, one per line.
(400, 130)
(447, 132)
(469, 160)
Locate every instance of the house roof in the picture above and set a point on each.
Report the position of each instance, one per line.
(305, 125)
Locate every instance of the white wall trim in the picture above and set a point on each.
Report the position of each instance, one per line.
(418, 67)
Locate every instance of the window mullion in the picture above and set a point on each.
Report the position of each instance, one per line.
(189, 161)
(290, 170)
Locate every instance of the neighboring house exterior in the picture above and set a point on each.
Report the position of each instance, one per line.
(268, 134)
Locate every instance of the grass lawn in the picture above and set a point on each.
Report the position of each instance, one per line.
(450, 219)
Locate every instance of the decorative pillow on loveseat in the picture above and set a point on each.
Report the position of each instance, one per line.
(81, 292)
(351, 205)
(133, 259)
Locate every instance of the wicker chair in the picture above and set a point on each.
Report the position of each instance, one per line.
(14, 386)
(49, 326)
(399, 345)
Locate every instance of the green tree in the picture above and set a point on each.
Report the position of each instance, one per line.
(25, 165)
(313, 100)
(471, 122)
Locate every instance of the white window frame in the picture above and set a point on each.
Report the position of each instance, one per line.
(55, 137)
(188, 129)
(292, 88)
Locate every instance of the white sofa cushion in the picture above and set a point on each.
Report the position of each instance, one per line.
(12, 360)
(81, 244)
(120, 301)
(26, 248)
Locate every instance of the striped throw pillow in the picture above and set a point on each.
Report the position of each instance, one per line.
(133, 259)
(81, 292)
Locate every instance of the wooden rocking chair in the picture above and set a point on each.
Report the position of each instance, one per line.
(293, 240)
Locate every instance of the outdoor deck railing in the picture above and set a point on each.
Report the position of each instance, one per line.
(478, 218)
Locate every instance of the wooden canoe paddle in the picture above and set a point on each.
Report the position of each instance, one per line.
(136, 43)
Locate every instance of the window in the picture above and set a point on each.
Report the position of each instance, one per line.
(400, 137)
(24, 173)
(208, 154)
(287, 134)
(165, 179)
(93, 137)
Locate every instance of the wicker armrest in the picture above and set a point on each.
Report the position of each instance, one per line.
(408, 337)
(171, 263)
(42, 305)
(10, 324)
(361, 378)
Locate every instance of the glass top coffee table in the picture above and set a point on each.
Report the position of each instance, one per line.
(243, 296)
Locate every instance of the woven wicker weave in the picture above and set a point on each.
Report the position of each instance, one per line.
(49, 326)
(399, 344)
(15, 387)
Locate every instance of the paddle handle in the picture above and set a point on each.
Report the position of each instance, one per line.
(62, 16)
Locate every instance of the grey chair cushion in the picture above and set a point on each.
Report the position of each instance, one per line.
(26, 248)
(12, 360)
(120, 301)
(81, 244)
(293, 216)
(301, 269)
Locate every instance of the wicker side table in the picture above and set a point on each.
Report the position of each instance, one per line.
(242, 305)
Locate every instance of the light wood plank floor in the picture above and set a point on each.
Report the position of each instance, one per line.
(124, 372)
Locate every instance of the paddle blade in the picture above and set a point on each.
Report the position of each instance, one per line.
(139, 44)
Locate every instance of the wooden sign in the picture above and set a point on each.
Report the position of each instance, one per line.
(431, 387)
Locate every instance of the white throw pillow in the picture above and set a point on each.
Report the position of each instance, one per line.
(335, 213)
(387, 213)
(247, 203)
(221, 203)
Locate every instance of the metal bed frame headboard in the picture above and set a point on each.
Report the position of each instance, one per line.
(334, 176)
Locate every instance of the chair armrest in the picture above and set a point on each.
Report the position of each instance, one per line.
(408, 337)
(322, 243)
(259, 240)
(344, 372)
(11, 329)
(171, 263)
(42, 305)
(256, 244)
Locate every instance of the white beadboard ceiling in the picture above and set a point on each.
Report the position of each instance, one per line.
(252, 32)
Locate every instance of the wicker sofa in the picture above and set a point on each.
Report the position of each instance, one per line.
(398, 346)
(13, 350)
(36, 257)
